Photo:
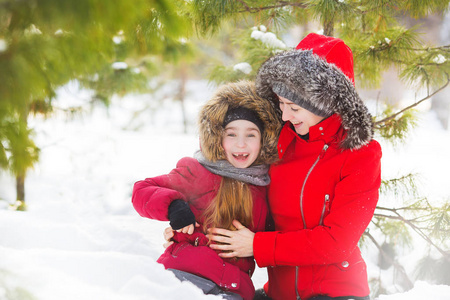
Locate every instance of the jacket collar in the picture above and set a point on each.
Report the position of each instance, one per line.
(328, 131)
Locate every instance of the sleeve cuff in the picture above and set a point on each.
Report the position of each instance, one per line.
(264, 248)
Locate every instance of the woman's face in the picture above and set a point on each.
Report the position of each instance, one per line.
(242, 143)
(301, 118)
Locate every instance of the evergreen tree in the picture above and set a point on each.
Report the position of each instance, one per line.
(45, 44)
(379, 40)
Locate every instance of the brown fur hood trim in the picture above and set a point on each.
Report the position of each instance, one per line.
(233, 95)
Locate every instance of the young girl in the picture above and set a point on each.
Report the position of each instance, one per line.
(225, 181)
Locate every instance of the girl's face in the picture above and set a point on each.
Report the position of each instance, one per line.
(301, 118)
(241, 142)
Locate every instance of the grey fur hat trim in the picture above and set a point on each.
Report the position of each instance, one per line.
(318, 86)
(281, 90)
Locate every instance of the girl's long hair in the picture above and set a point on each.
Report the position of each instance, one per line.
(233, 202)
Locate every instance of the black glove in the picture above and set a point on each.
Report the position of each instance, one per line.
(180, 214)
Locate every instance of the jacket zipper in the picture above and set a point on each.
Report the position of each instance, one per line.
(326, 203)
(322, 153)
(296, 285)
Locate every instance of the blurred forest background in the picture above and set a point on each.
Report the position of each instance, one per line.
(119, 47)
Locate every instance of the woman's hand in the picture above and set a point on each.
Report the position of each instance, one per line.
(169, 233)
(237, 243)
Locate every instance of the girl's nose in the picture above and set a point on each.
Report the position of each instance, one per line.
(241, 142)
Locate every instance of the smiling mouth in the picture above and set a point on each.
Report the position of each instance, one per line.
(240, 156)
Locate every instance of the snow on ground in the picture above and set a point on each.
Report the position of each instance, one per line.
(82, 239)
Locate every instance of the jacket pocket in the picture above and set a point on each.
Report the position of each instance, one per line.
(353, 261)
(347, 265)
(177, 247)
(348, 275)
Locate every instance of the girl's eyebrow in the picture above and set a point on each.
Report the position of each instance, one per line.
(247, 129)
(252, 129)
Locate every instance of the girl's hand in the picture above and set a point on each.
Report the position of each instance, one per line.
(168, 235)
(188, 229)
(237, 243)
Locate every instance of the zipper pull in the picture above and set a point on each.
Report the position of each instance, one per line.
(325, 208)
(327, 202)
(324, 149)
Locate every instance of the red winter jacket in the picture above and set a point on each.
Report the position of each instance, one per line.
(193, 183)
(321, 198)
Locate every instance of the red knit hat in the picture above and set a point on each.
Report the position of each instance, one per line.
(332, 49)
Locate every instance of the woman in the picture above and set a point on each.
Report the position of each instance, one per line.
(324, 190)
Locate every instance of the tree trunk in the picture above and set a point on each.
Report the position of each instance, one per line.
(328, 27)
(20, 193)
(20, 188)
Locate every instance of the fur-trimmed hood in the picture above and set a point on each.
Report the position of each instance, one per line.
(233, 95)
(311, 82)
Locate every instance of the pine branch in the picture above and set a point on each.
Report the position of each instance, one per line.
(281, 4)
(396, 265)
(247, 8)
(404, 184)
(410, 223)
(377, 123)
(396, 218)
(403, 208)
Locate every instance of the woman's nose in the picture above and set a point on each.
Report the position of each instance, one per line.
(285, 115)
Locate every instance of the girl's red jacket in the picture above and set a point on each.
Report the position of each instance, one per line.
(193, 183)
